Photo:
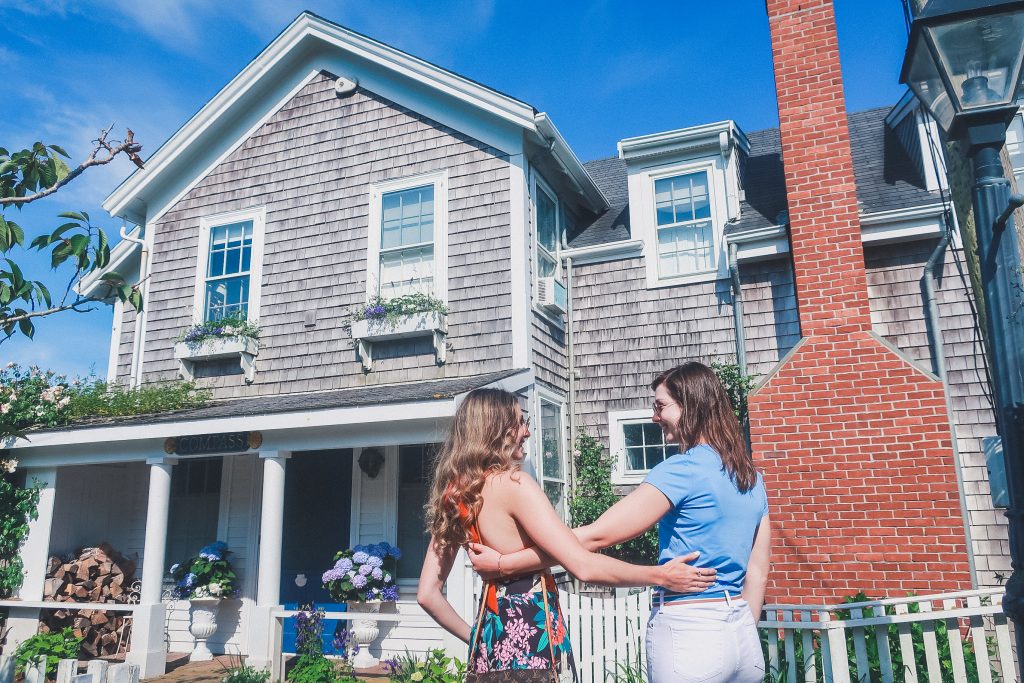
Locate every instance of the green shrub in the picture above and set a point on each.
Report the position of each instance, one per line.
(101, 399)
(319, 669)
(437, 667)
(53, 646)
(245, 674)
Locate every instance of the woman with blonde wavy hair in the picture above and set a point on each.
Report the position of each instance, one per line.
(480, 495)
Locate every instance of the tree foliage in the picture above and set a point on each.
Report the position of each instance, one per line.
(76, 245)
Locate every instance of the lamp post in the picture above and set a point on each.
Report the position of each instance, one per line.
(963, 62)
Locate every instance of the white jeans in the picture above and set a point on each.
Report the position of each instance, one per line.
(704, 643)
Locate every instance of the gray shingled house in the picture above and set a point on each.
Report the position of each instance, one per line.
(334, 168)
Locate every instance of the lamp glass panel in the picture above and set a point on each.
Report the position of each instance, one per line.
(981, 57)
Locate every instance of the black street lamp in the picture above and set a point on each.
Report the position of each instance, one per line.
(963, 62)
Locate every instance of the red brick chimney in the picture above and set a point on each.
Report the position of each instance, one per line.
(853, 439)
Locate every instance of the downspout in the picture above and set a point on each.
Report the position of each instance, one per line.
(737, 310)
(570, 361)
(137, 331)
(931, 274)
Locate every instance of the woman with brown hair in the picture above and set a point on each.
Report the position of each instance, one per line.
(479, 494)
(707, 499)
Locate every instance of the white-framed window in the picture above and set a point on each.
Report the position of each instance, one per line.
(230, 265)
(637, 445)
(548, 218)
(1015, 149)
(548, 428)
(682, 211)
(407, 250)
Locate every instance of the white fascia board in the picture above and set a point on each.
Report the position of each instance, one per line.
(600, 253)
(903, 108)
(522, 380)
(331, 417)
(563, 154)
(684, 140)
(305, 33)
(760, 245)
(902, 225)
(125, 253)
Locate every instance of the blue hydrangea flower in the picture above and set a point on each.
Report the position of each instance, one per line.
(377, 573)
(333, 575)
(359, 581)
(395, 552)
(374, 561)
(389, 594)
(365, 569)
(343, 565)
(190, 580)
(360, 556)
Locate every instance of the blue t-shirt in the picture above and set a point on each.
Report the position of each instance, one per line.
(709, 515)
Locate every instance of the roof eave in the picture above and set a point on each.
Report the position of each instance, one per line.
(562, 153)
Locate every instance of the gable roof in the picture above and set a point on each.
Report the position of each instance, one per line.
(886, 177)
(290, 52)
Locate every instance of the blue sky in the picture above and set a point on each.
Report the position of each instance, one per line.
(602, 70)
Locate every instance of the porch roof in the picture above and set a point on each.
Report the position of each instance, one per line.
(434, 391)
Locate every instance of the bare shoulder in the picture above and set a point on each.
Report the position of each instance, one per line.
(510, 483)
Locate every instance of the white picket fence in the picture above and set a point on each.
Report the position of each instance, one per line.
(964, 634)
(97, 671)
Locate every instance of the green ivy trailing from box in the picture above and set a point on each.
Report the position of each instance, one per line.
(393, 309)
(227, 327)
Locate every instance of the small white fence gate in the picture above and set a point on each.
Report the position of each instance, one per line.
(97, 671)
(955, 637)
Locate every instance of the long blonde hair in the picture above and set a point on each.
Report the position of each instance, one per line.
(481, 442)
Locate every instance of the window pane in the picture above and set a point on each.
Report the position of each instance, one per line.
(546, 266)
(555, 494)
(635, 459)
(633, 434)
(652, 434)
(682, 198)
(655, 454)
(406, 271)
(230, 249)
(685, 249)
(1015, 145)
(227, 298)
(407, 217)
(414, 465)
(547, 223)
(551, 442)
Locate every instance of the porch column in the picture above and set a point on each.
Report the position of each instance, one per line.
(34, 553)
(147, 647)
(268, 581)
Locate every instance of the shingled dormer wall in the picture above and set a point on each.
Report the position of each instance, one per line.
(853, 438)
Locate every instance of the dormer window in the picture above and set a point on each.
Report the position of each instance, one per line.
(686, 239)
(684, 187)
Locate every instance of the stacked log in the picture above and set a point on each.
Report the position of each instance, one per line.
(96, 575)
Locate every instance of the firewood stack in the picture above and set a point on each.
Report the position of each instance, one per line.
(99, 574)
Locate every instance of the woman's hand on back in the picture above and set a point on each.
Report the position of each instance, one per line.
(485, 561)
(682, 577)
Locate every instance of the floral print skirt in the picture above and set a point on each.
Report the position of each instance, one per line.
(515, 636)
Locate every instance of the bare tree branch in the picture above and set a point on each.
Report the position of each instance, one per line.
(73, 306)
(128, 146)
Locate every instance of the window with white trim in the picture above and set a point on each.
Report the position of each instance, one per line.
(552, 453)
(407, 247)
(685, 231)
(549, 288)
(230, 266)
(1015, 149)
(637, 445)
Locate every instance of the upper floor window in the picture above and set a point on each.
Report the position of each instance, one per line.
(408, 237)
(230, 266)
(685, 232)
(637, 445)
(549, 290)
(1015, 148)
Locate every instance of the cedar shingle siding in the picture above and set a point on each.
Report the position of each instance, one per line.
(310, 165)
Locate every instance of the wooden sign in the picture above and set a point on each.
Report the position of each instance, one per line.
(212, 444)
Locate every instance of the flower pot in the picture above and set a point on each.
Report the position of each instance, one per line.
(202, 625)
(364, 632)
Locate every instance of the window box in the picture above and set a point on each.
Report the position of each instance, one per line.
(218, 348)
(428, 323)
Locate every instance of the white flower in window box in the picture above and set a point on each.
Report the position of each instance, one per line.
(413, 315)
(217, 340)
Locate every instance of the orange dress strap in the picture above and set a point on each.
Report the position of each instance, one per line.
(490, 589)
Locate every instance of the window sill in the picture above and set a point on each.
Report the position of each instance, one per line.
(431, 323)
(244, 348)
(629, 478)
(707, 276)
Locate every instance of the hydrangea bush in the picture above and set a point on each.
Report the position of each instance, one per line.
(207, 575)
(229, 326)
(366, 572)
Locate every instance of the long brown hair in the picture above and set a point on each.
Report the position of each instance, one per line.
(480, 442)
(705, 414)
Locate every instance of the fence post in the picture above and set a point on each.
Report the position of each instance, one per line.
(6, 669)
(98, 670)
(839, 661)
(66, 670)
(35, 672)
(123, 673)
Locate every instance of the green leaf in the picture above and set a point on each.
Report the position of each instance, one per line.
(59, 232)
(60, 151)
(18, 233)
(60, 167)
(73, 215)
(79, 243)
(26, 326)
(44, 293)
(112, 276)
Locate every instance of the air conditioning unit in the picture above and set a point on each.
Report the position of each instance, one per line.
(551, 294)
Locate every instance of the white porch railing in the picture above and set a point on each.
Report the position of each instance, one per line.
(958, 637)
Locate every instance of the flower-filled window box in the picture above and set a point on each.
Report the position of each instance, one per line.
(217, 340)
(404, 317)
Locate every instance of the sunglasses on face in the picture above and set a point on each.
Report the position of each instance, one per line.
(658, 407)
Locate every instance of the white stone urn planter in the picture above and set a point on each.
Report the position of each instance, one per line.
(428, 323)
(216, 348)
(202, 625)
(364, 632)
